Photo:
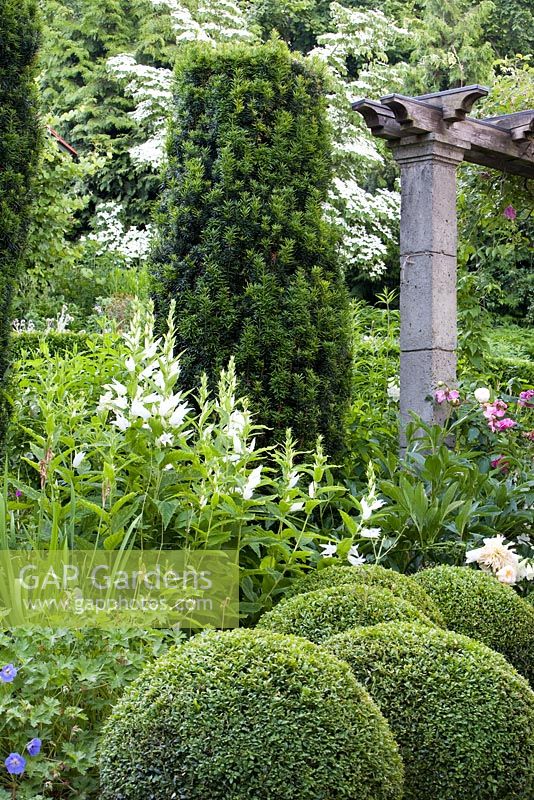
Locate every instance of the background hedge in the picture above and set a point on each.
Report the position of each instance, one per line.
(476, 604)
(369, 575)
(243, 246)
(462, 716)
(248, 714)
(321, 614)
(20, 138)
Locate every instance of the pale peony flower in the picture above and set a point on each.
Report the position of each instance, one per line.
(507, 574)
(493, 556)
(329, 549)
(354, 558)
(482, 395)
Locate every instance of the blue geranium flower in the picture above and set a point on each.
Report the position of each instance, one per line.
(15, 764)
(34, 747)
(8, 673)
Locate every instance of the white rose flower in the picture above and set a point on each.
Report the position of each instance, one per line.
(482, 395)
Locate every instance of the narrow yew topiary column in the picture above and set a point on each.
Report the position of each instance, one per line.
(19, 150)
(243, 246)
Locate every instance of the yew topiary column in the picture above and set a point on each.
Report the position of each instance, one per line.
(19, 150)
(243, 245)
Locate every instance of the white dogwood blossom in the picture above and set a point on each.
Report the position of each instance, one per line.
(368, 219)
(110, 233)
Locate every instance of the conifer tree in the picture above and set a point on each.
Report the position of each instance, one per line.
(19, 145)
(243, 246)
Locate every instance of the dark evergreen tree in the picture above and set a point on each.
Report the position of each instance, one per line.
(20, 137)
(87, 100)
(243, 247)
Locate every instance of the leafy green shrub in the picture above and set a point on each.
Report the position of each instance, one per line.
(477, 605)
(132, 457)
(67, 683)
(519, 371)
(373, 418)
(369, 575)
(321, 614)
(463, 718)
(20, 138)
(243, 247)
(28, 345)
(248, 714)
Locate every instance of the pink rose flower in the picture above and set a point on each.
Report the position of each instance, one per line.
(504, 424)
(496, 409)
(510, 212)
(526, 399)
(451, 396)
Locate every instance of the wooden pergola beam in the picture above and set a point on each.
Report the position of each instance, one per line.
(483, 140)
(430, 135)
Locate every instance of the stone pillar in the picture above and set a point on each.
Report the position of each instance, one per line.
(428, 245)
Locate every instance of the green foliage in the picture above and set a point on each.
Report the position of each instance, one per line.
(450, 45)
(495, 248)
(369, 575)
(510, 28)
(29, 346)
(463, 718)
(516, 372)
(477, 605)
(68, 681)
(248, 714)
(20, 138)
(86, 100)
(320, 614)
(185, 474)
(446, 492)
(373, 419)
(242, 245)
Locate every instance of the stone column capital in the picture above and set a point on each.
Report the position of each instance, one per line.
(432, 147)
